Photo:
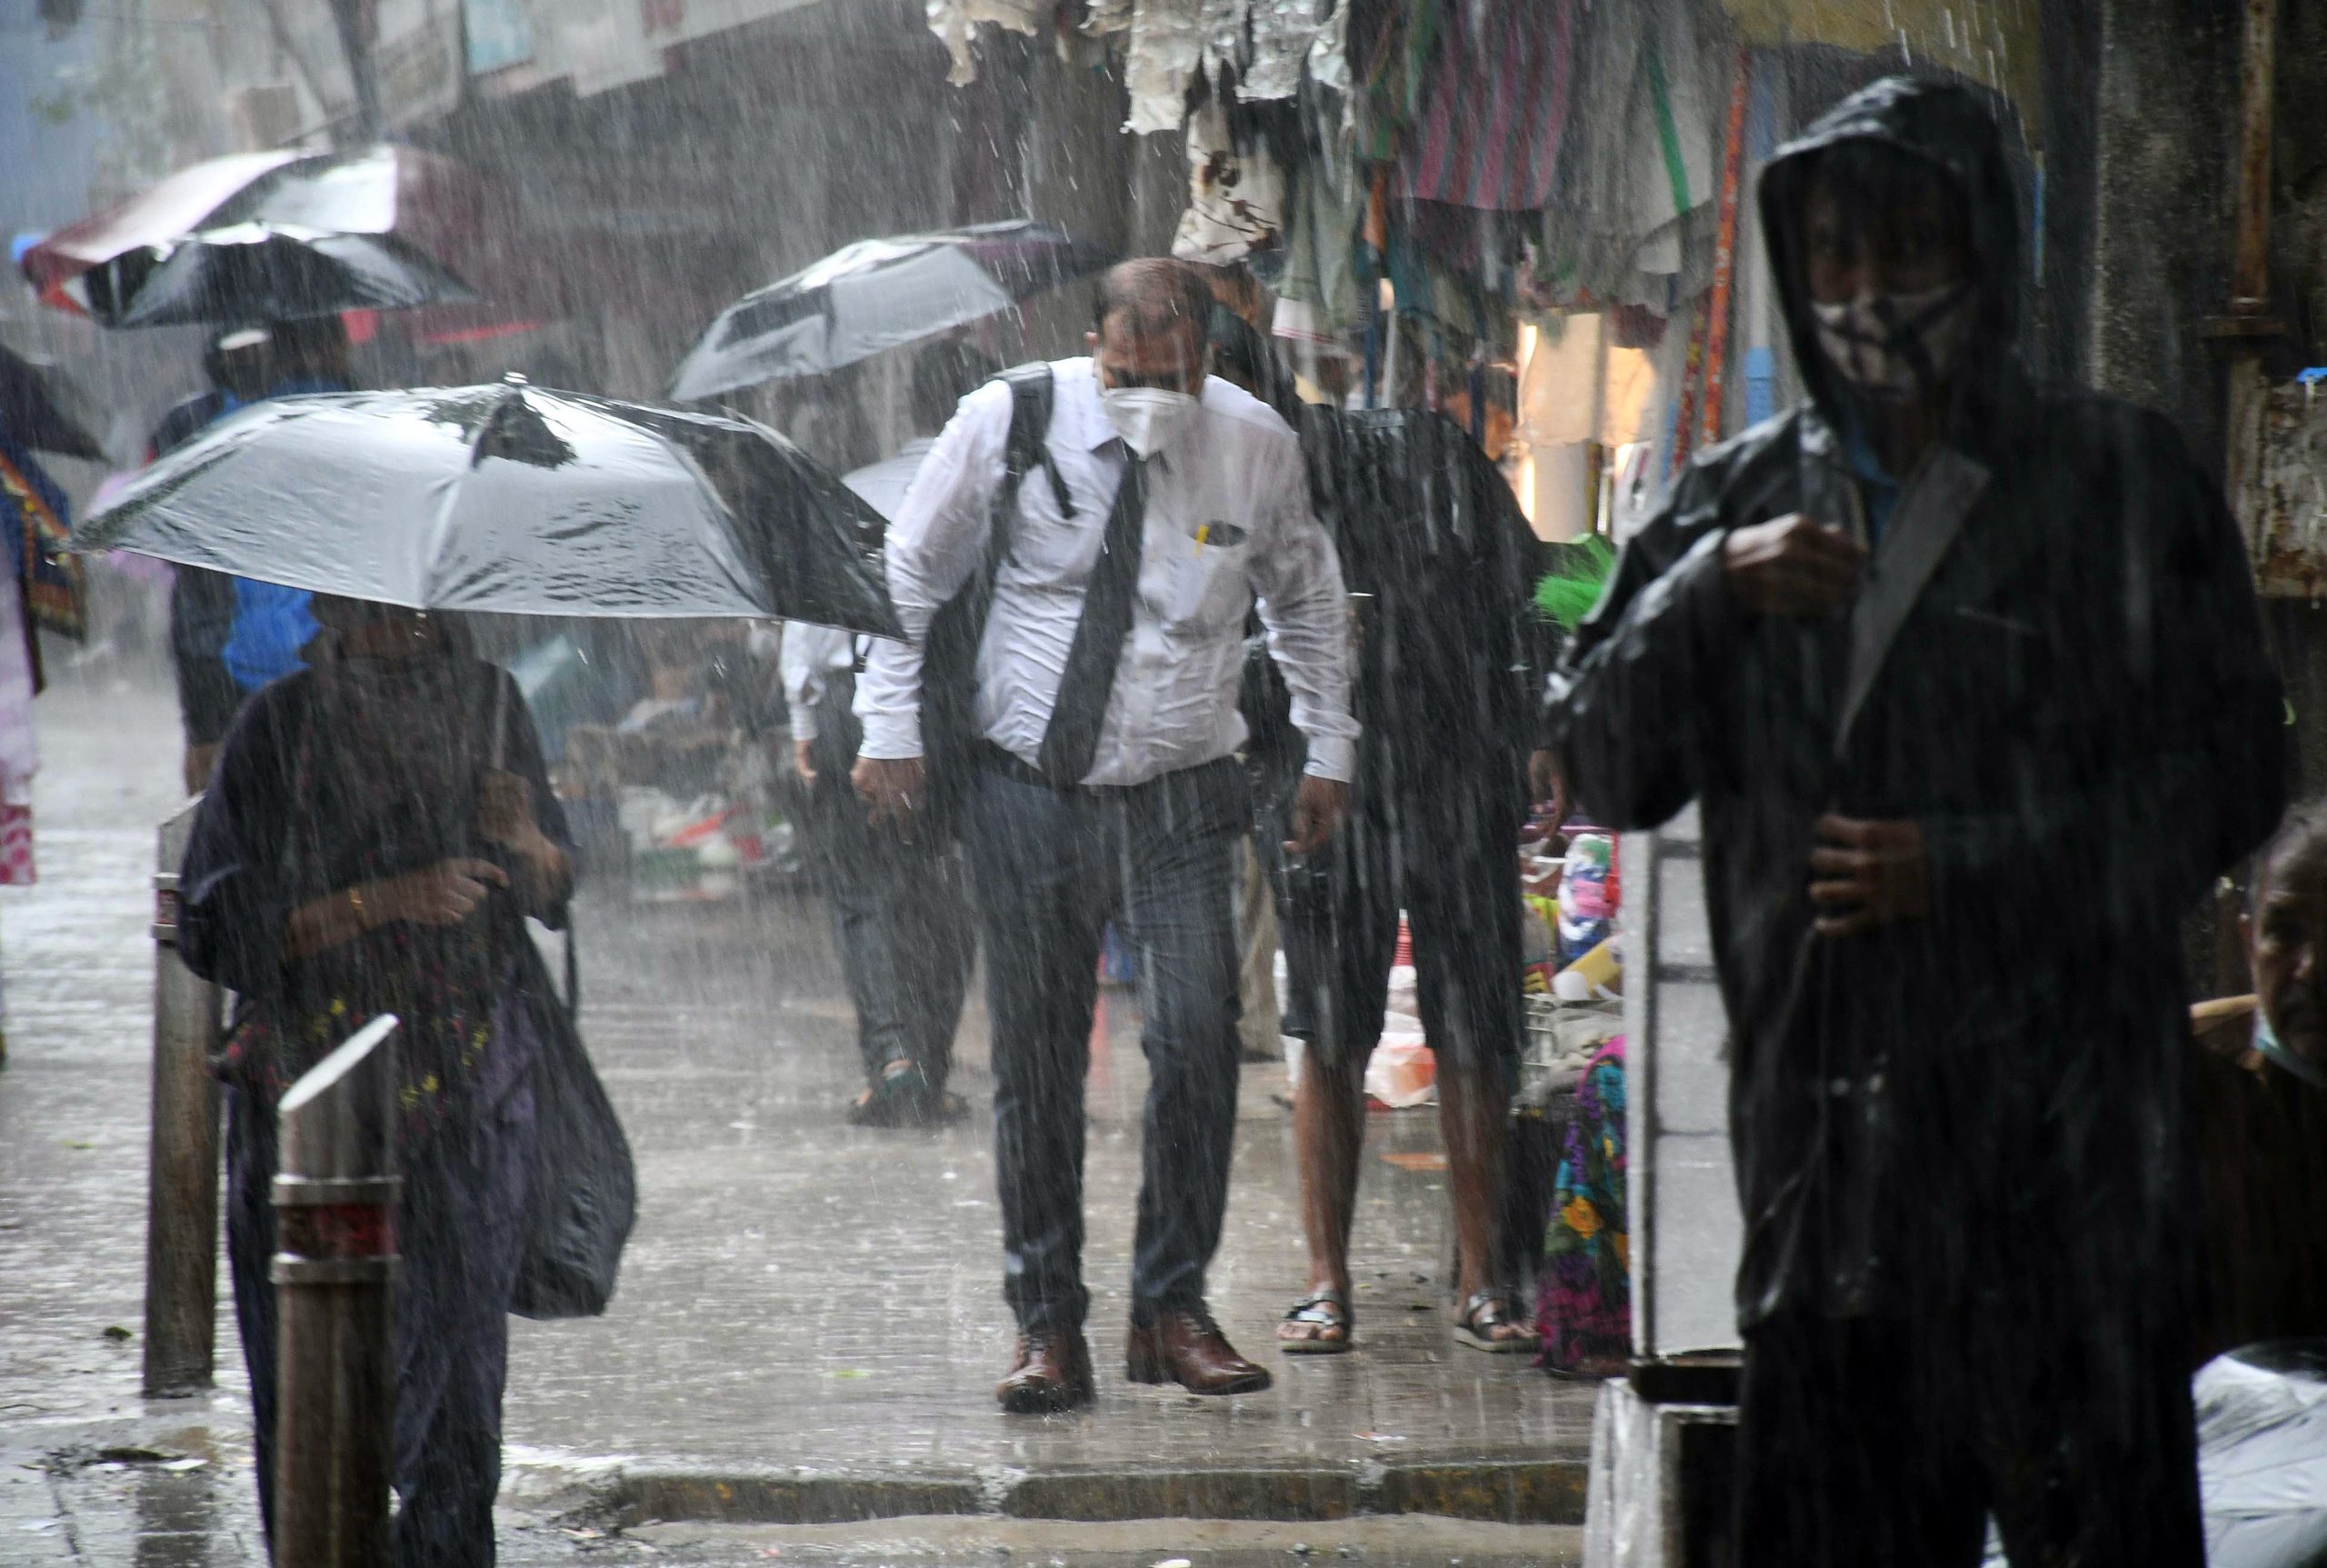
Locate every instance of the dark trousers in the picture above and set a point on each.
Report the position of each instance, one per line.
(1052, 867)
(1864, 1440)
(459, 1230)
(1450, 864)
(901, 924)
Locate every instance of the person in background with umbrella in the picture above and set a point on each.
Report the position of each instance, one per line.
(900, 908)
(1105, 784)
(231, 635)
(378, 829)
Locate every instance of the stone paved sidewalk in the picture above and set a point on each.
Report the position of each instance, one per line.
(810, 1320)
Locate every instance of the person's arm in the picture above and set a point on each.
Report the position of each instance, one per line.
(933, 544)
(2200, 776)
(800, 661)
(445, 894)
(1305, 612)
(518, 811)
(233, 901)
(202, 617)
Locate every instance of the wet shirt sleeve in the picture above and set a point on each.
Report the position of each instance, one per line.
(935, 543)
(1306, 611)
(524, 757)
(235, 893)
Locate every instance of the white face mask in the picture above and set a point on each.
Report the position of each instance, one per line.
(1148, 418)
(1890, 347)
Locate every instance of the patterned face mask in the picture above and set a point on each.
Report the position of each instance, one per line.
(1890, 347)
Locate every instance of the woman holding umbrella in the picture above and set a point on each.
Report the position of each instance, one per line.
(379, 827)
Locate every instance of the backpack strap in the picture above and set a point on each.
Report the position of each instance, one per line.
(1026, 448)
(1031, 396)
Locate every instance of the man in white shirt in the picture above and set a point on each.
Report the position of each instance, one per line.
(1107, 786)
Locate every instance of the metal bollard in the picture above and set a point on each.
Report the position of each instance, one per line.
(334, 1275)
(182, 1179)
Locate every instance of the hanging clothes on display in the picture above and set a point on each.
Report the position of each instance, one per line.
(1259, 45)
(1632, 215)
(40, 590)
(1236, 191)
(1494, 107)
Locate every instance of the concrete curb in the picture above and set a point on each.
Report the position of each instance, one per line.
(1500, 1490)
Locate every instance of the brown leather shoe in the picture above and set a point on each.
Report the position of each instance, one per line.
(1184, 1345)
(1051, 1372)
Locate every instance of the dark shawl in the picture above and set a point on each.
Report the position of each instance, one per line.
(350, 772)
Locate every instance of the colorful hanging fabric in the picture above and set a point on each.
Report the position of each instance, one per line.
(1494, 106)
(1390, 49)
(36, 521)
(1236, 195)
(1583, 1303)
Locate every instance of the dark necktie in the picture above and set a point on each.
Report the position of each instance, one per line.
(1073, 738)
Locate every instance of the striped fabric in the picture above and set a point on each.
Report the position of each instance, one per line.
(1494, 106)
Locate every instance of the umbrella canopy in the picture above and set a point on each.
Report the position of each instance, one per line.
(439, 206)
(512, 499)
(265, 272)
(32, 415)
(878, 295)
(882, 485)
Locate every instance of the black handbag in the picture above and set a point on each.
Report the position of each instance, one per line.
(950, 733)
(584, 1194)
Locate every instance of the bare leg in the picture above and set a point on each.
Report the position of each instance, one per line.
(1328, 1132)
(1474, 1117)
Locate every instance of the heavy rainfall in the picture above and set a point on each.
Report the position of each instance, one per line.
(1163, 784)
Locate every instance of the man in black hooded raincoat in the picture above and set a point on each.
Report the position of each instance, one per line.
(1966, 678)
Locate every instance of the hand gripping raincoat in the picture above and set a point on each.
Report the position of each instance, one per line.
(1974, 1121)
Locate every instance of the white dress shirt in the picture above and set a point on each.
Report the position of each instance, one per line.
(811, 654)
(1227, 519)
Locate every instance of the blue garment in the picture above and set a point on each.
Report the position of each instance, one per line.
(1878, 492)
(271, 623)
(2266, 1041)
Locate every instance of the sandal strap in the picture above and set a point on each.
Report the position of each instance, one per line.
(1320, 1306)
(1486, 1309)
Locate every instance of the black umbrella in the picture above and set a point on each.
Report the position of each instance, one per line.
(265, 271)
(513, 499)
(31, 412)
(877, 294)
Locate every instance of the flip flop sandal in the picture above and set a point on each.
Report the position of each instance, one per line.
(1318, 1311)
(1481, 1316)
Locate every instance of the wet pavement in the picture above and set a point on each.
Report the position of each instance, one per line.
(809, 1321)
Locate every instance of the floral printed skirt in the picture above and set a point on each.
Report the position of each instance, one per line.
(1583, 1304)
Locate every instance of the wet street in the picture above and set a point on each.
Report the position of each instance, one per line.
(809, 1321)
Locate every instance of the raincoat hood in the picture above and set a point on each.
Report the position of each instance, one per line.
(1949, 127)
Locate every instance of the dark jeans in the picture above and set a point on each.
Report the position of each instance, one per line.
(901, 924)
(460, 1227)
(1865, 1440)
(1052, 867)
